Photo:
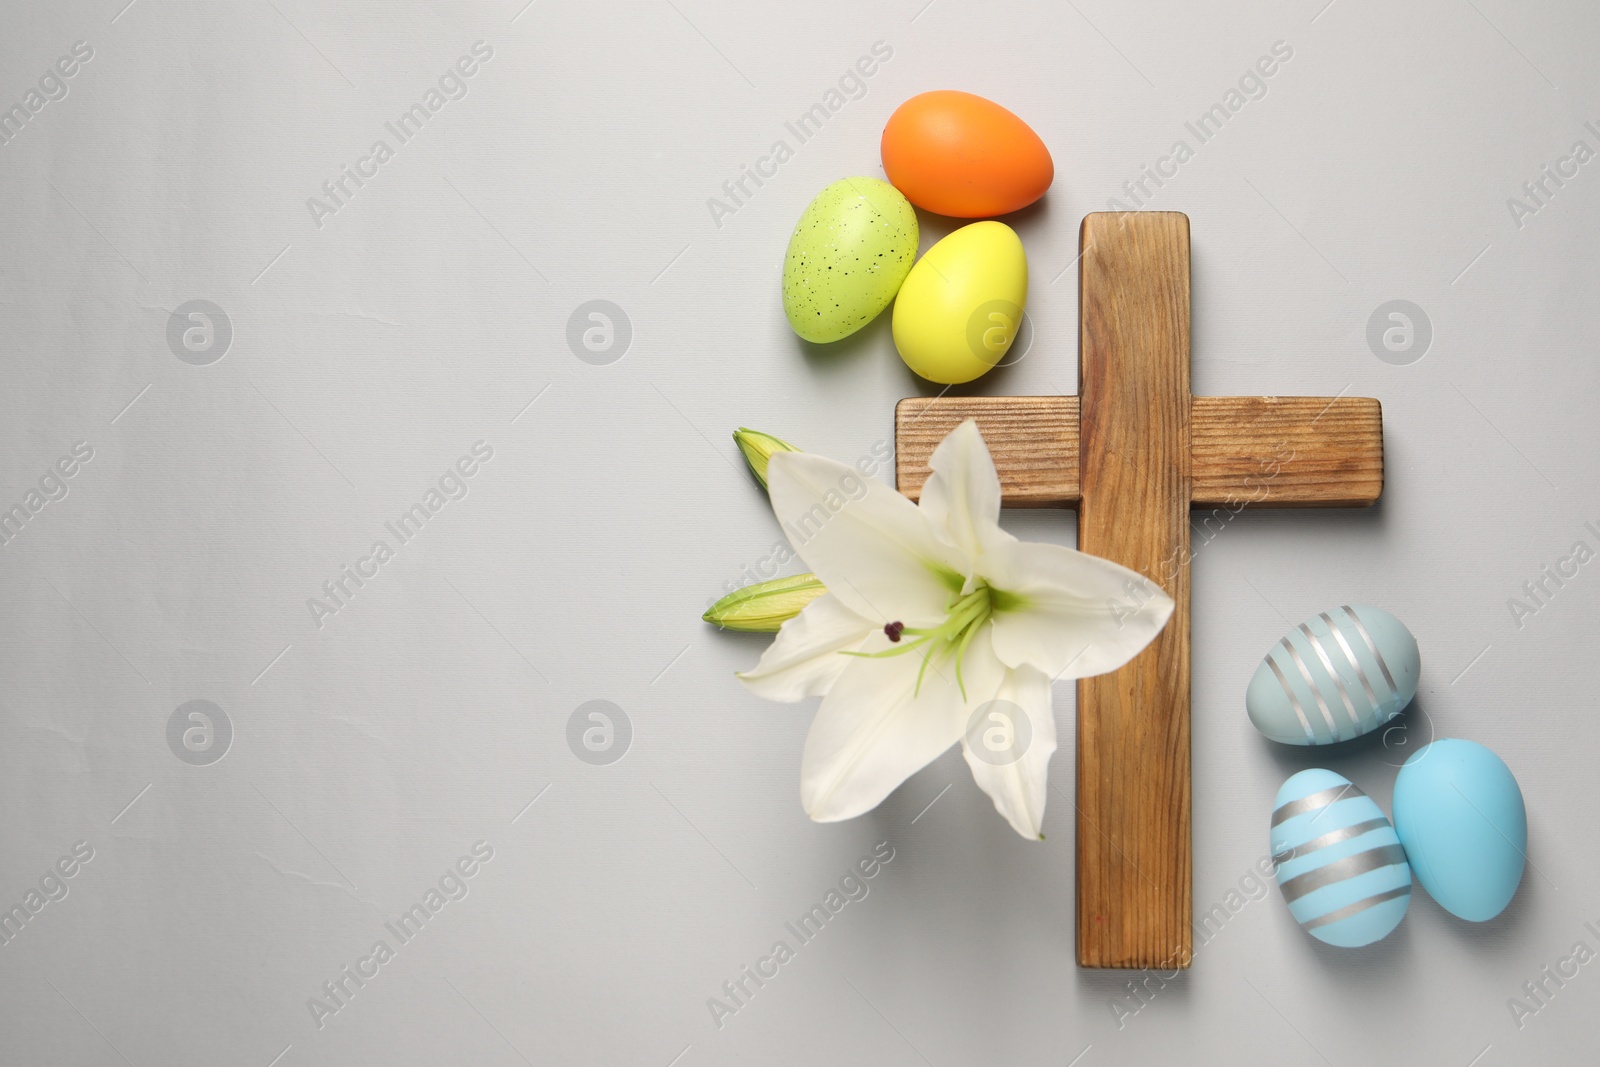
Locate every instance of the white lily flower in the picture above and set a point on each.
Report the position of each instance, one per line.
(932, 613)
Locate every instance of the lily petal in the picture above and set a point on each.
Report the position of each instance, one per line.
(805, 659)
(875, 730)
(962, 496)
(1076, 615)
(874, 549)
(1016, 735)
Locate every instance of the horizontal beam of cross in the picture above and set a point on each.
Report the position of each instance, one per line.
(1261, 451)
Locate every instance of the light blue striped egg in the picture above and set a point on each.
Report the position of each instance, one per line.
(1338, 675)
(1340, 865)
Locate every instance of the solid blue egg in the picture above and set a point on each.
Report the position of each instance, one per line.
(1341, 868)
(1338, 675)
(1459, 812)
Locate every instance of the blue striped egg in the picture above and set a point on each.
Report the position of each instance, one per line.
(1340, 865)
(1338, 675)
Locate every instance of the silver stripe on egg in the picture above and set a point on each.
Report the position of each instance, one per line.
(1294, 701)
(1322, 654)
(1322, 705)
(1331, 838)
(1372, 646)
(1358, 907)
(1320, 799)
(1350, 654)
(1342, 869)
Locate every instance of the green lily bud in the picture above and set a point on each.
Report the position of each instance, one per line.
(758, 448)
(765, 606)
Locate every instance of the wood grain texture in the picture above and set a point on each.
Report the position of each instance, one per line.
(1255, 451)
(1033, 439)
(1286, 451)
(1134, 856)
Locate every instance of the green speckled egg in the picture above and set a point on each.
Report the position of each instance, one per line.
(848, 254)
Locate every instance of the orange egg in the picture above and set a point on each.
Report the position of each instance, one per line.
(957, 154)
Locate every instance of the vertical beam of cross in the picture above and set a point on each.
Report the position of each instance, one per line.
(1134, 863)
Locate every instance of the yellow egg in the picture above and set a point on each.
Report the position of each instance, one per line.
(961, 306)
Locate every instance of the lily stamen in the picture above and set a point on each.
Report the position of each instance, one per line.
(966, 617)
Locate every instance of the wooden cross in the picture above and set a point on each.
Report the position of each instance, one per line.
(1133, 452)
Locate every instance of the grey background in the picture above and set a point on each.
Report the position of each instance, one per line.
(431, 311)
